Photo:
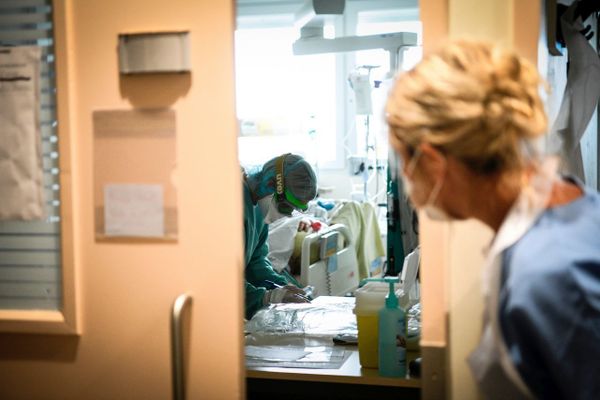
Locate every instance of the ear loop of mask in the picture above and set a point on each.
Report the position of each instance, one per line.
(410, 169)
(437, 188)
(434, 212)
(412, 164)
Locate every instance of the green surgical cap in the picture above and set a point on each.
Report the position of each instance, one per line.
(299, 179)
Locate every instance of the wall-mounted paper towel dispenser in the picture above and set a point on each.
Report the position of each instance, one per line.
(154, 52)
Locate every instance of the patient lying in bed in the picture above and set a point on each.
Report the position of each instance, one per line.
(286, 236)
(283, 243)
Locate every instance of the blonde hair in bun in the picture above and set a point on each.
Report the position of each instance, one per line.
(472, 100)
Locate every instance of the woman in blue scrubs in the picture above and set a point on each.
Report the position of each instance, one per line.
(464, 122)
(284, 184)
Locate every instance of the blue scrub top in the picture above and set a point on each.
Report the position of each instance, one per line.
(549, 304)
(258, 267)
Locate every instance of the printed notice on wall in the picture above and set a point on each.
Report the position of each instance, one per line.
(21, 172)
(133, 210)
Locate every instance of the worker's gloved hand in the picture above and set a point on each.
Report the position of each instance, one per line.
(286, 294)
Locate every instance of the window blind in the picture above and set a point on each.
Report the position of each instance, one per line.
(30, 261)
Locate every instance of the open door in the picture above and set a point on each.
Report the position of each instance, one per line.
(119, 346)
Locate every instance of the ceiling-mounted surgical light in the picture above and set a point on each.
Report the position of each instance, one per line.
(311, 19)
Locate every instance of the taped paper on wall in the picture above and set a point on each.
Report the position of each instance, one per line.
(133, 210)
(21, 173)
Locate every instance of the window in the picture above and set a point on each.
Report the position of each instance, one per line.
(303, 104)
(285, 103)
(30, 252)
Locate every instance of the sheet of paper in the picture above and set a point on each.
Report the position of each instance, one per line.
(316, 357)
(20, 145)
(133, 210)
(275, 353)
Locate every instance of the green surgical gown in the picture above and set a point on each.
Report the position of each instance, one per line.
(258, 267)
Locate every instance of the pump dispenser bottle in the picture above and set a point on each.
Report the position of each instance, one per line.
(392, 335)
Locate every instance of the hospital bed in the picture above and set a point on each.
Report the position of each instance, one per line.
(357, 253)
(335, 271)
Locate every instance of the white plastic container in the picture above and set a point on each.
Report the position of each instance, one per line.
(370, 299)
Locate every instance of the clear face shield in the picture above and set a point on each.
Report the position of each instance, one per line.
(274, 209)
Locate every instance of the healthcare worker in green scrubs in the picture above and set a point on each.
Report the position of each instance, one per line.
(284, 184)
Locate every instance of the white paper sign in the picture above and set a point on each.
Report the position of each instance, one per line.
(20, 146)
(133, 210)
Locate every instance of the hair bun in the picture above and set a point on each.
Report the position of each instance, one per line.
(493, 110)
(476, 101)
